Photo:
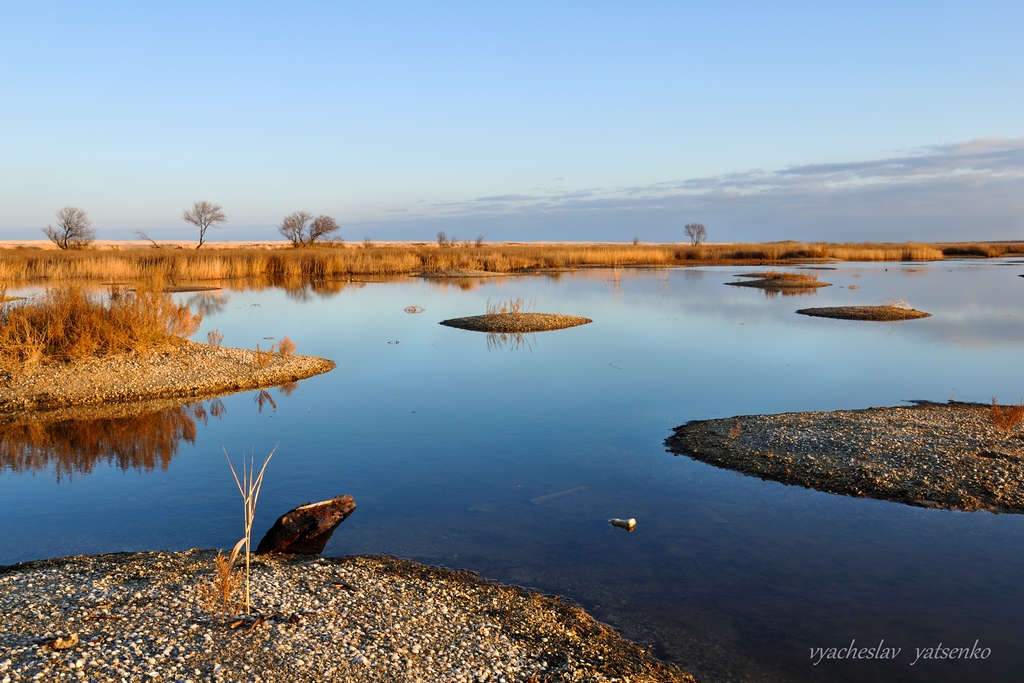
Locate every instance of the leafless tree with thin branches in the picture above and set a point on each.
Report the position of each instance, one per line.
(204, 216)
(301, 229)
(696, 232)
(322, 226)
(74, 229)
(293, 227)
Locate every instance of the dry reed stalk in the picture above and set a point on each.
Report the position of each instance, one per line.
(249, 486)
(215, 337)
(1007, 417)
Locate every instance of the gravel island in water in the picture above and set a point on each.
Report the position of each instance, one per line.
(931, 454)
(136, 616)
(516, 323)
(875, 313)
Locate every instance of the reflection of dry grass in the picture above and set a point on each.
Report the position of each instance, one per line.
(515, 341)
(67, 325)
(1007, 417)
(141, 442)
(263, 398)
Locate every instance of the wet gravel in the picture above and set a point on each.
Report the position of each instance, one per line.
(137, 617)
(930, 454)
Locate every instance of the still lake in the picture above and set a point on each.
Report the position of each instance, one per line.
(451, 443)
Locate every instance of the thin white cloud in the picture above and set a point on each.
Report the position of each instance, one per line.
(967, 190)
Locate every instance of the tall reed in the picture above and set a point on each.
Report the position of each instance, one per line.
(249, 486)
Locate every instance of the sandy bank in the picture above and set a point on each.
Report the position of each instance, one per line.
(186, 370)
(136, 616)
(516, 323)
(933, 455)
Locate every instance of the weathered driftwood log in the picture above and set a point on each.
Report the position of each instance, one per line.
(306, 529)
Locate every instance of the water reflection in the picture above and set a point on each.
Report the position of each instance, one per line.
(140, 439)
(497, 341)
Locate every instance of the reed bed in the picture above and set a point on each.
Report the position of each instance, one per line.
(327, 262)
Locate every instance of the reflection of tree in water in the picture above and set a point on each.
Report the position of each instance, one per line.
(497, 341)
(75, 446)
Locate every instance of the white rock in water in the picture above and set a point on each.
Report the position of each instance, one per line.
(627, 524)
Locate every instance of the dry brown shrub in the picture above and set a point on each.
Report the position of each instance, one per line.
(215, 337)
(286, 346)
(222, 593)
(1007, 417)
(263, 357)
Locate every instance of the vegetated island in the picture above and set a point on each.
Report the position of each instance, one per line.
(362, 618)
(70, 348)
(778, 280)
(959, 456)
(887, 313)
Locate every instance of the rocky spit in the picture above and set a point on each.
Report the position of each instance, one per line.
(188, 369)
(139, 617)
(940, 455)
(516, 323)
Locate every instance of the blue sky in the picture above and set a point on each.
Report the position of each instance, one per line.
(588, 120)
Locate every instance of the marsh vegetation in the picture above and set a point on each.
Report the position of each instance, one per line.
(288, 266)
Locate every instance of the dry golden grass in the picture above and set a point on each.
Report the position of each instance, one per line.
(1006, 417)
(221, 594)
(67, 324)
(790, 277)
(283, 267)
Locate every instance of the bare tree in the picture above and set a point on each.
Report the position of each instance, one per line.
(444, 241)
(74, 229)
(696, 232)
(322, 226)
(204, 216)
(300, 228)
(293, 227)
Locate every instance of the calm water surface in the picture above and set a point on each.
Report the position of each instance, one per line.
(451, 442)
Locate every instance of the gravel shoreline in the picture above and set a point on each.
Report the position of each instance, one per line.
(184, 370)
(938, 455)
(135, 617)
